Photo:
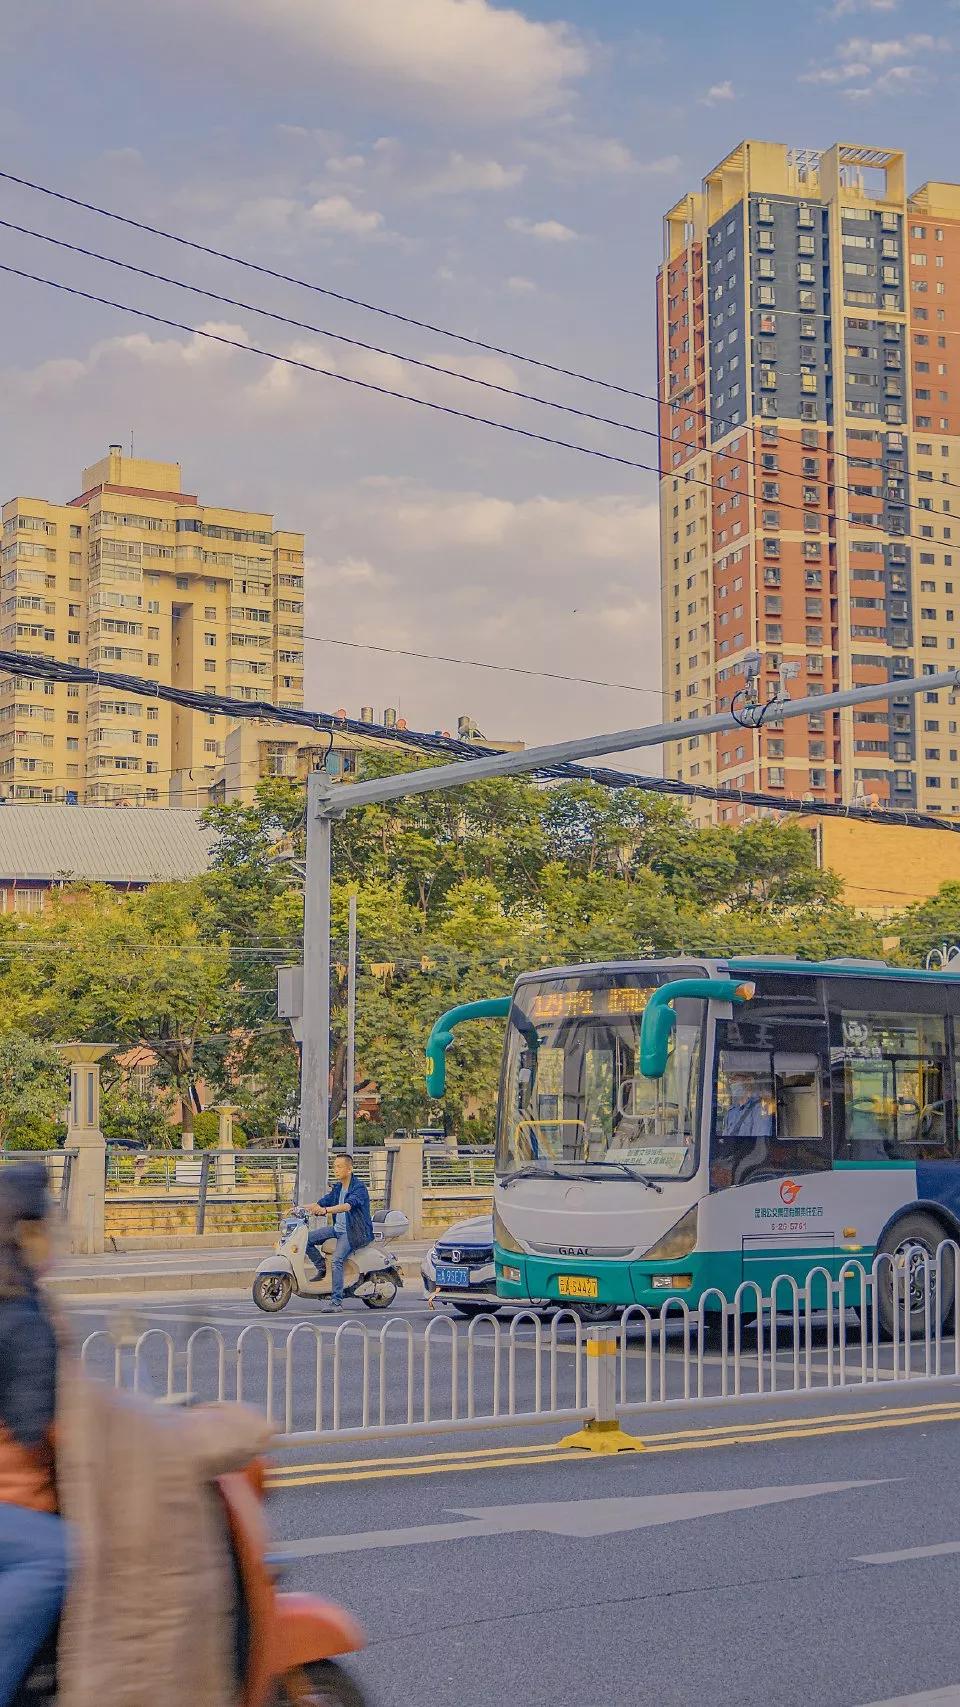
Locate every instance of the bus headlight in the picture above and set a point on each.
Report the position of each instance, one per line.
(678, 1242)
(501, 1236)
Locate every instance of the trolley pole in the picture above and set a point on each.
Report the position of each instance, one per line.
(351, 1020)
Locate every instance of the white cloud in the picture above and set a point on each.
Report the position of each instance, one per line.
(563, 584)
(877, 67)
(468, 59)
(344, 164)
(882, 52)
(719, 92)
(835, 73)
(460, 174)
(520, 286)
(571, 154)
(339, 214)
(844, 8)
(125, 157)
(545, 230)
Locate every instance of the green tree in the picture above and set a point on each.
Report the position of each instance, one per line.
(928, 925)
(33, 1090)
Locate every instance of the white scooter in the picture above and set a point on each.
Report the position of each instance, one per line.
(371, 1273)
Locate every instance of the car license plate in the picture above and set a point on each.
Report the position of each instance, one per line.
(578, 1286)
(453, 1277)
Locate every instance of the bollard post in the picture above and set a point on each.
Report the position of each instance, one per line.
(86, 1205)
(602, 1431)
(226, 1157)
(202, 1193)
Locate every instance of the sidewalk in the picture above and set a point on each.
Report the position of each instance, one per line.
(181, 1271)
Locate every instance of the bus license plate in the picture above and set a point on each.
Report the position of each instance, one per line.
(453, 1277)
(578, 1286)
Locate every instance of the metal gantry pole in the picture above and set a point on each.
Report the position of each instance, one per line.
(326, 802)
(351, 1019)
(315, 1061)
(463, 771)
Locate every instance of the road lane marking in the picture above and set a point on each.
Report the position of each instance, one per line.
(581, 1519)
(694, 1440)
(949, 1697)
(933, 1552)
(719, 1429)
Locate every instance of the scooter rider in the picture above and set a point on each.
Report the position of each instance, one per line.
(352, 1223)
(33, 1544)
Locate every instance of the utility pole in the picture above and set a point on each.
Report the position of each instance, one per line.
(315, 1059)
(351, 1019)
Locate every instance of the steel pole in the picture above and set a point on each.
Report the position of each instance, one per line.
(315, 1055)
(351, 1018)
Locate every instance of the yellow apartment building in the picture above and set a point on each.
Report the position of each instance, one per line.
(138, 576)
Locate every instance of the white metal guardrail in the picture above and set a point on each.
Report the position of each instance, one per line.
(880, 1325)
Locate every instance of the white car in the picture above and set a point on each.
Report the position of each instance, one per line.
(459, 1269)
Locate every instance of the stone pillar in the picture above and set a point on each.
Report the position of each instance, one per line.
(407, 1189)
(85, 1211)
(226, 1159)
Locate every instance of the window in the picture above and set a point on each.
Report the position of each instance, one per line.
(891, 1078)
(769, 1109)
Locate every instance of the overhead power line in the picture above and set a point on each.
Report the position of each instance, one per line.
(430, 367)
(54, 669)
(302, 365)
(325, 331)
(319, 290)
(486, 345)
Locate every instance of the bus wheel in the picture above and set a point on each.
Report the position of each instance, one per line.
(908, 1242)
(591, 1314)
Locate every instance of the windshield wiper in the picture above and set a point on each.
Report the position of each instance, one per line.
(626, 1170)
(532, 1170)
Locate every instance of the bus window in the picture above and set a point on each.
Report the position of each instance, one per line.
(891, 1073)
(769, 1116)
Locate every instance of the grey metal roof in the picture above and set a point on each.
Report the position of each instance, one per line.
(101, 844)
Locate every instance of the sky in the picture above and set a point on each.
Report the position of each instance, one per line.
(498, 171)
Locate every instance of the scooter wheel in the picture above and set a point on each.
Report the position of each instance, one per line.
(383, 1294)
(323, 1684)
(272, 1292)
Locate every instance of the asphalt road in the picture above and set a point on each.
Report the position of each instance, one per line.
(797, 1553)
(817, 1570)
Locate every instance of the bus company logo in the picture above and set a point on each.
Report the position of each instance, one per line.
(574, 1250)
(789, 1191)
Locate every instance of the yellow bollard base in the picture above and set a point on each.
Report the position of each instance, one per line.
(602, 1437)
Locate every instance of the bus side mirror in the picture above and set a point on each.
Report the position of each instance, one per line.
(655, 1041)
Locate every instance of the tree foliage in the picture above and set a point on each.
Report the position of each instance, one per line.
(456, 894)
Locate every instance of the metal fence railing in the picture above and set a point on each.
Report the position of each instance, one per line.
(372, 1382)
(877, 1326)
(59, 1166)
(473, 1170)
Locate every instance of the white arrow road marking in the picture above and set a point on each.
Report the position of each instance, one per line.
(932, 1552)
(949, 1697)
(569, 1517)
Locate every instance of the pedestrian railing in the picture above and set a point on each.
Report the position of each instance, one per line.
(876, 1325)
(318, 1384)
(59, 1166)
(473, 1172)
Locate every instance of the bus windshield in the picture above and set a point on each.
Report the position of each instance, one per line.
(573, 1094)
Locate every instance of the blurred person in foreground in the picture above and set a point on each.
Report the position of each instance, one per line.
(33, 1539)
(142, 1622)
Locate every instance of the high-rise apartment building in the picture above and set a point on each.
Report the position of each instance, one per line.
(137, 576)
(809, 373)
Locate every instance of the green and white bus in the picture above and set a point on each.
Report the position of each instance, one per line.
(668, 1128)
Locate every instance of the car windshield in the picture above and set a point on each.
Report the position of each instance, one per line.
(574, 1099)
